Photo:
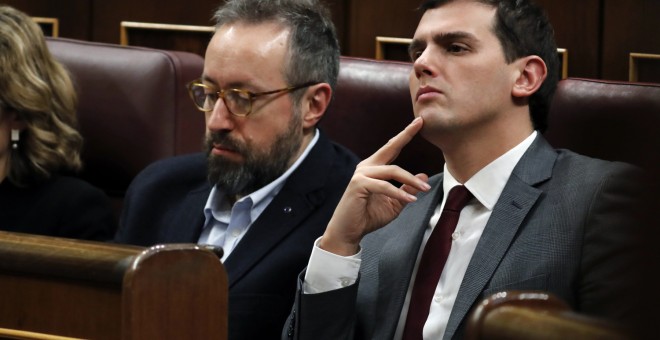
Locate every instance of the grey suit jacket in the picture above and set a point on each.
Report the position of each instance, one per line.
(560, 225)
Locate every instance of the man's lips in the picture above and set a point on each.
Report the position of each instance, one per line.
(426, 91)
(219, 149)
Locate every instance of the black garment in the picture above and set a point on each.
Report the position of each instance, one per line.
(165, 204)
(61, 206)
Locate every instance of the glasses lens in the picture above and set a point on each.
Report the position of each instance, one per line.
(208, 101)
(200, 97)
(238, 102)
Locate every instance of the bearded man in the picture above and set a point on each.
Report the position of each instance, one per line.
(269, 180)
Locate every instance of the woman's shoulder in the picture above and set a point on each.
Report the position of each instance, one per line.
(70, 186)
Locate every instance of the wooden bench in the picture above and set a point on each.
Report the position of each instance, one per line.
(95, 290)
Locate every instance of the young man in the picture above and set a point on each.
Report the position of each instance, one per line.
(535, 218)
(268, 182)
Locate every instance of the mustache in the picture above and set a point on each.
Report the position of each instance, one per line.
(223, 139)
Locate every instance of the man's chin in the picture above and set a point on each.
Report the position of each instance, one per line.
(222, 160)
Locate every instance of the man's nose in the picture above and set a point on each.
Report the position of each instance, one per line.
(219, 118)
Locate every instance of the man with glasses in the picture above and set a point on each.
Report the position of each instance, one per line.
(269, 180)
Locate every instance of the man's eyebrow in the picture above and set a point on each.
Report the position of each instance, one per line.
(452, 36)
(205, 78)
(440, 39)
(213, 83)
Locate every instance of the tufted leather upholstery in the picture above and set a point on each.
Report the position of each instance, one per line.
(133, 108)
(612, 120)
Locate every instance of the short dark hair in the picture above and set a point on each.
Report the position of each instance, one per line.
(313, 47)
(523, 29)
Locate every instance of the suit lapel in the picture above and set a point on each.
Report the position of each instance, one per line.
(517, 199)
(302, 194)
(284, 214)
(397, 261)
(187, 226)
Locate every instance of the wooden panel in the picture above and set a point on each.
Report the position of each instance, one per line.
(50, 26)
(599, 34)
(339, 10)
(576, 25)
(629, 26)
(390, 48)
(188, 38)
(109, 14)
(60, 306)
(96, 290)
(74, 15)
(644, 67)
(562, 54)
(372, 18)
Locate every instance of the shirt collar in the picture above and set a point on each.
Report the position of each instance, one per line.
(218, 206)
(488, 183)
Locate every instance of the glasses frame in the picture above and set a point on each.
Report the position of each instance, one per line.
(251, 95)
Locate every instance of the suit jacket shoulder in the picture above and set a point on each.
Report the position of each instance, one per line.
(165, 204)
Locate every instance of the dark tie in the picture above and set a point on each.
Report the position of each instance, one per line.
(433, 261)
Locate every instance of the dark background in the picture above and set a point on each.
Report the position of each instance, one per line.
(598, 34)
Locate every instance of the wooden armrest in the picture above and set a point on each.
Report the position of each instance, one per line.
(95, 290)
(534, 315)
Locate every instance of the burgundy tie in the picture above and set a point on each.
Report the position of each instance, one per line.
(433, 261)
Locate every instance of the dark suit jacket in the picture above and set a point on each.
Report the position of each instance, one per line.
(560, 225)
(60, 206)
(164, 204)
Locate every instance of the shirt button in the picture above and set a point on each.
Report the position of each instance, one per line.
(438, 298)
(236, 233)
(455, 235)
(345, 282)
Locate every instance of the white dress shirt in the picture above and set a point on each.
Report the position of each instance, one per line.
(225, 225)
(327, 271)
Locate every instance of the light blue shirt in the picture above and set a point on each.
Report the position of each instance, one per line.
(225, 225)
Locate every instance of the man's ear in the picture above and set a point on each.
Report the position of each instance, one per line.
(532, 73)
(315, 102)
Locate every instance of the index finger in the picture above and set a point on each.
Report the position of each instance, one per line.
(390, 151)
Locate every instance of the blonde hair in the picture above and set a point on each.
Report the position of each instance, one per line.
(39, 91)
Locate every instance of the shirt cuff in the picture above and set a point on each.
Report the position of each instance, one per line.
(327, 271)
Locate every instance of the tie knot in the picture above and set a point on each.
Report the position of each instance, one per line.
(457, 198)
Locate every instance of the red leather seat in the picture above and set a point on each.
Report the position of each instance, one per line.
(611, 120)
(133, 108)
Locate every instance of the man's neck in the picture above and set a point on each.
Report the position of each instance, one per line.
(468, 153)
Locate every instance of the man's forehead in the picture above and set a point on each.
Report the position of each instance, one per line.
(469, 16)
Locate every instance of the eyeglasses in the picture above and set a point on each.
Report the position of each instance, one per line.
(237, 101)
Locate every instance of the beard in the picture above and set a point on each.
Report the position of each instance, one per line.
(259, 167)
